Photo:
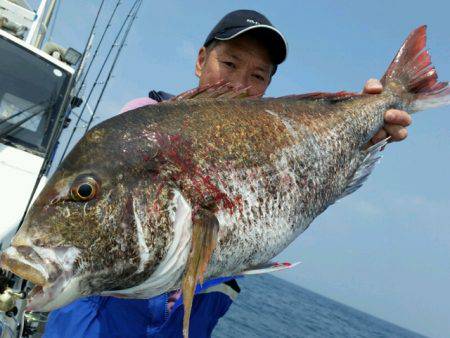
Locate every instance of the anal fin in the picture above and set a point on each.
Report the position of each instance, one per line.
(372, 156)
(205, 227)
(269, 267)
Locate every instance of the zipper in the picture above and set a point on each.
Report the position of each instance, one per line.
(166, 306)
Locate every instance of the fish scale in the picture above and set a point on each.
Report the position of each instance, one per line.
(288, 212)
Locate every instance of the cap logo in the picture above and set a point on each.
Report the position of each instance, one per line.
(253, 22)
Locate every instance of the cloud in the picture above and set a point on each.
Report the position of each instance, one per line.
(418, 204)
(366, 207)
(187, 50)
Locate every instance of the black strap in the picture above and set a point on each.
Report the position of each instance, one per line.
(159, 96)
(233, 284)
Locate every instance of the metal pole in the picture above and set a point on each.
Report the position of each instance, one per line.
(44, 25)
(34, 29)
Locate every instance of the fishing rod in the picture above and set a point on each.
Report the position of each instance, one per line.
(122, 44)
(91, 62)
(80, 68)
(96, 81)
(108, 25)
(91, 34)
(78, 116)
(86, 48)
(80, 87)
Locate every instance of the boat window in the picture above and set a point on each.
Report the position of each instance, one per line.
(32, 91)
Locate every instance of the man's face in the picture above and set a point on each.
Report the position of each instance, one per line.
(242, 61)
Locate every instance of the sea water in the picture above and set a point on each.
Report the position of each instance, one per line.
(271, 307)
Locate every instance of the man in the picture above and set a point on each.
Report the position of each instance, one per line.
(244, 50)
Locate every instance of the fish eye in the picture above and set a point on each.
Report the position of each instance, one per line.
(84, 188)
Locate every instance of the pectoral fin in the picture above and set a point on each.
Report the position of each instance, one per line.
(205, 227)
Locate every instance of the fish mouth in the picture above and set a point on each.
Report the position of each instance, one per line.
(49, 270)
(14, 261)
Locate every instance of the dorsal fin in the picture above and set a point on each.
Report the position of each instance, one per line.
(225, 90)
(330, 97)
(219, 90)
(365, 169)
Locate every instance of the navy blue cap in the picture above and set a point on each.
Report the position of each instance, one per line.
(241, 21)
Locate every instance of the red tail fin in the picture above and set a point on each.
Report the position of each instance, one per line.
(412, 68)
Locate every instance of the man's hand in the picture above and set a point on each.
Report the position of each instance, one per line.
(395, 120)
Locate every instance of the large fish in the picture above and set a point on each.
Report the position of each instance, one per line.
(207, 185)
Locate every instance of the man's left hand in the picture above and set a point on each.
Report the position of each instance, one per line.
(395, 121)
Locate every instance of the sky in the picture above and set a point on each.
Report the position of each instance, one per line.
(385, 249)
